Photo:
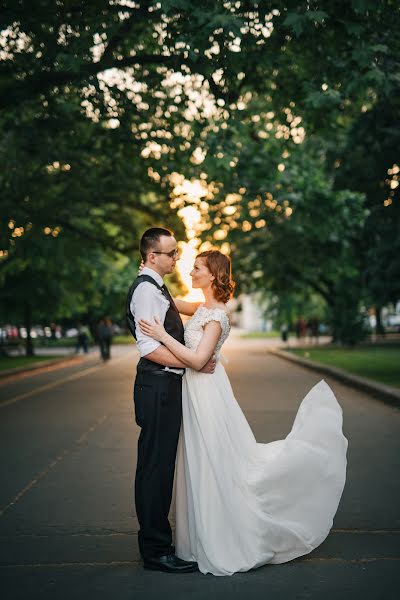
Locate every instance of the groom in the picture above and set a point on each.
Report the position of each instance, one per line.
(158, 401)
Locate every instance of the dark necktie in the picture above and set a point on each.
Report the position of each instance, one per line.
(168, 295)
(166, 291)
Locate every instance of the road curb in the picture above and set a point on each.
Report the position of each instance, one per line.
(384, 392)
(45, 363)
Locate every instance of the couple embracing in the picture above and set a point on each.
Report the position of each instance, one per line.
(239, 504)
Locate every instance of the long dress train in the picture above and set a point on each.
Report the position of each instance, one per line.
(241, 504)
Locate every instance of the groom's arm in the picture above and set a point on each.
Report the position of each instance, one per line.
(196, 359)
(146, 303)
(163, 356)
(148, 300)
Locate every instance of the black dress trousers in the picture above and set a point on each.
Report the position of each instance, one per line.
(158, 411)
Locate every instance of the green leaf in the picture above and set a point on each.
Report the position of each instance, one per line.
(316, 15)
(363, 6)
(296, 22)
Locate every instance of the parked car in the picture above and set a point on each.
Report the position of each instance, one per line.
(392, 323)
(71, 332)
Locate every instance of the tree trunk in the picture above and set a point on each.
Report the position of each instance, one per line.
(29, 350)
(379, 328)
(347, 322)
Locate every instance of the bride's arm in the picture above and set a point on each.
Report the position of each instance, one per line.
(186, 308)
(196, 359)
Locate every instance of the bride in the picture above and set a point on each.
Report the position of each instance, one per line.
(241, 504)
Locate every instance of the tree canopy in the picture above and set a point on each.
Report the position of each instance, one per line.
(261, 101)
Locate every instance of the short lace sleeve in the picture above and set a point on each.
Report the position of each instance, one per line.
(216, 314)
(194, 328)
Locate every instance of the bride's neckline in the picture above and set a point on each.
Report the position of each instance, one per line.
(202, 305)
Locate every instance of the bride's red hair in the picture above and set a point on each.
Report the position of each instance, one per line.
(219, 265)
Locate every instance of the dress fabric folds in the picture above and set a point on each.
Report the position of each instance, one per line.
(241, 504)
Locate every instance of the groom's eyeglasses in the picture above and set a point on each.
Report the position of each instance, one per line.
(172, 254)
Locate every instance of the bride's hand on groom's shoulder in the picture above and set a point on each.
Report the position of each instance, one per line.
(154, 330)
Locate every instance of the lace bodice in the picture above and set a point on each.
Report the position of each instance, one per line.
(194, 327)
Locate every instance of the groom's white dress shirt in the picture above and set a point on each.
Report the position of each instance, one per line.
(148, 302)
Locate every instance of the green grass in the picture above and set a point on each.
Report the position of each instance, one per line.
(260, 334)
(58, 343)
(380, 362)
(71, 342)
(123, 339)
(13, 362)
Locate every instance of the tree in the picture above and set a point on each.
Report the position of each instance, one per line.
(295, 232)
(69, 198)
(369, 164)
(103, 99)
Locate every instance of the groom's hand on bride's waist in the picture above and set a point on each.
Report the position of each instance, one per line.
(209, 367)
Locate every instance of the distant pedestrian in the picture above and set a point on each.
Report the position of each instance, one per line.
(82, 340)
(53, 331)
(313, 330)
(301, 328)
(284, 332)
(104, 332)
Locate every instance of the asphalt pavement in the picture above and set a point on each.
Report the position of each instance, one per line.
(68, 528)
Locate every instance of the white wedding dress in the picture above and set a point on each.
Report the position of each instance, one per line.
(240, 504)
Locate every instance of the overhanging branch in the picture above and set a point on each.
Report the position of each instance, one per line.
(19, 91)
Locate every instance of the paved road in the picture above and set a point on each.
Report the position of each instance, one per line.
(67, 524)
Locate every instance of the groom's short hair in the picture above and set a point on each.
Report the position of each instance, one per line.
(151, 238)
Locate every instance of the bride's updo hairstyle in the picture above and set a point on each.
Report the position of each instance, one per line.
(219, 265)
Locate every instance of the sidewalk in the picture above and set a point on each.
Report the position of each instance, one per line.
(62, 357)
(385, 392)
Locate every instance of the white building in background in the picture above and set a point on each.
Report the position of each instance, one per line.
(391, 317)
(247, 313)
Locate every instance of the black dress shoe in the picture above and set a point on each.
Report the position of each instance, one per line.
(170, 563)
